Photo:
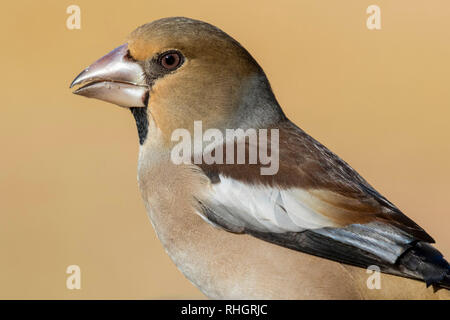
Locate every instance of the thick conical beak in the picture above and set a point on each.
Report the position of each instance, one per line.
(114, 78)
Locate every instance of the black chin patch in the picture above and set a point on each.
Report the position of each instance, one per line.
(140, 115)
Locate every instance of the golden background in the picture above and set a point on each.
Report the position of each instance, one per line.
(380, 99)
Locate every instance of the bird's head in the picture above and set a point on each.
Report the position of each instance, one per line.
(175, 71)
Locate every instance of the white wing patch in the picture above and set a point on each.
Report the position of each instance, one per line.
(237, 206)
(264, 208)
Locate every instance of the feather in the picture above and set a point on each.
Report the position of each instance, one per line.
(318, 204)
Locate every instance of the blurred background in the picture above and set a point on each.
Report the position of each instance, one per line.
(68, 191)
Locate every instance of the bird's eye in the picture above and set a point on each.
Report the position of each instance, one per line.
(171, 60)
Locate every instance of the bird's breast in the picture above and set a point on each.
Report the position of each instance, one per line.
(222, 264)
(237, 266)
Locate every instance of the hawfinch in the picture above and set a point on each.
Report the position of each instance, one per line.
(311, 228)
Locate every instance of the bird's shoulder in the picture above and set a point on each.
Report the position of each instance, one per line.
(312, 178)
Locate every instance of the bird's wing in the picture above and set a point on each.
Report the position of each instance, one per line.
(316, 203)
(287, 216)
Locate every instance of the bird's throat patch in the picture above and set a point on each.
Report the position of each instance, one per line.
(140, 115)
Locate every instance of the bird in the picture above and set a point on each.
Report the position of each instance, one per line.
(315, 229)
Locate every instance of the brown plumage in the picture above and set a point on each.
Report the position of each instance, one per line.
(335, 188)
(230, 229)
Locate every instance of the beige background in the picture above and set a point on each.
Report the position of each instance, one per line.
(380, 99)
